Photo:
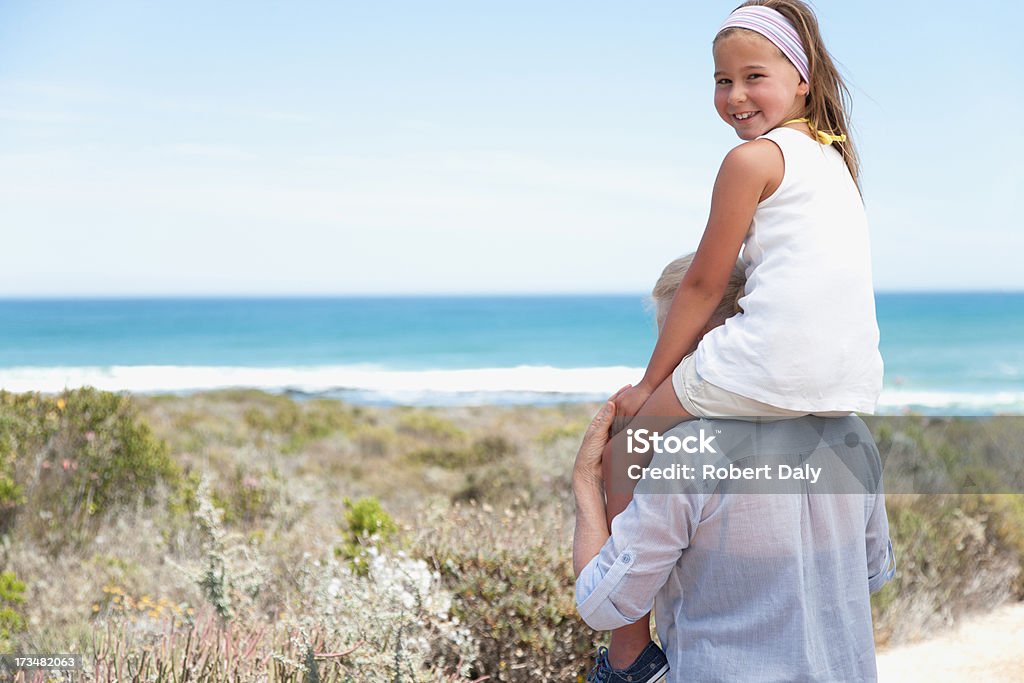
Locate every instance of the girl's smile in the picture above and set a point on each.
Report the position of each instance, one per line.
(756, 87)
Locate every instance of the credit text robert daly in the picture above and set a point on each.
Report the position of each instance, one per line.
(642, 441)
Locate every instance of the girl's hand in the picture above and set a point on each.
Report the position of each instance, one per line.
(630, 401)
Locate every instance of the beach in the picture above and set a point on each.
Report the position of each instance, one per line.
(303, 318)
(371, 483)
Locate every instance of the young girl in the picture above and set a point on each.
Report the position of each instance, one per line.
(806, 341)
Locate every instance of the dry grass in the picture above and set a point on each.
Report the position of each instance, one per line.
(240, 563)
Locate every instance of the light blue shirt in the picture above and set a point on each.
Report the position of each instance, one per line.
(750, 585)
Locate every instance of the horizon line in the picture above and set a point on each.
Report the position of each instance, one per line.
(416, 295)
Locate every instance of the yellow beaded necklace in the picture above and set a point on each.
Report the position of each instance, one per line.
(823, 137)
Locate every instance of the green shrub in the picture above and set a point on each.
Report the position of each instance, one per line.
(246, 497)
(184, 499)
(299, 424)
(497, 483)
(82, 452)
(368, 525)
(11, 494)
(951, 454)
(427, 425)
(12, 597)
(20, 433)
(513, 587)
(954, 554)
(488, 450)
(374, 441)
(446, 458)
(1003, 516)
(569, 430)
(493, 448)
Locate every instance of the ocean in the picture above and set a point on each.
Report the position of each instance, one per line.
(945, 353)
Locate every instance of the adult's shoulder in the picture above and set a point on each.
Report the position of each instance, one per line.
(849, 430)
(779, 437)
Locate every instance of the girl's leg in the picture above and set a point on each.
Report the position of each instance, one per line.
(661, 412)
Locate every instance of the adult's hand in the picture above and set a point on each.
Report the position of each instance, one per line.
(588, 459)
(591, 525)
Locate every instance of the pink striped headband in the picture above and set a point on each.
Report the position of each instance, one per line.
(775, 27)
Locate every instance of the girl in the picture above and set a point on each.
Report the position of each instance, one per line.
(806, 341)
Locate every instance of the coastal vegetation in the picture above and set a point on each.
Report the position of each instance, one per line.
(239, 534)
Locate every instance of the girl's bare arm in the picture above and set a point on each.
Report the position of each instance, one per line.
(749, 173)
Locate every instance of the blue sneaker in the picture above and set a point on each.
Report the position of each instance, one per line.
(649, 667)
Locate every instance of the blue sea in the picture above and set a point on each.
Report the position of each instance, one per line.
(948, 353)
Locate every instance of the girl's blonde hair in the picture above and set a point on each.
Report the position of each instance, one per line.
(666, 286)
(828, 100)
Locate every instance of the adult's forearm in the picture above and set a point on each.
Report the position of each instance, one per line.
(591, 527)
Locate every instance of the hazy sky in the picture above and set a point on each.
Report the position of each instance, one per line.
(463, 147)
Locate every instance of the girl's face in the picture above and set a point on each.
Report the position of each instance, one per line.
(756, 87)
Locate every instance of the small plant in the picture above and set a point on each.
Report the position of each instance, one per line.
(246, 497)
(229, 571)
(495, 483)
(12, 597)
(369, 527)
(446, 458)
(116, 602)
(296, 425)
(488, 450)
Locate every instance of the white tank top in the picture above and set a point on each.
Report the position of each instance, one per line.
(807, 338)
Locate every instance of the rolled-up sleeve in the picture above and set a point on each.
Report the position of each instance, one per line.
(619, 584)
(885, 572)
(881, 558)
(595, 585)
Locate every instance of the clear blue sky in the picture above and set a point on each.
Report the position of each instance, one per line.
(440, 147)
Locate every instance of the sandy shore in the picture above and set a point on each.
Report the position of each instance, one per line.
(987, 647)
